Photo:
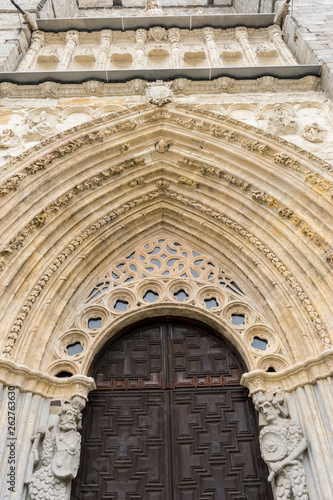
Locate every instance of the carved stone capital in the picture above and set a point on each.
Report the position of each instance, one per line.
(27, 380)
(299, 375)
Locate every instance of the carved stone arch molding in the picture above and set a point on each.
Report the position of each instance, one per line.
(256, 206)
(164, 276)
(255, 197)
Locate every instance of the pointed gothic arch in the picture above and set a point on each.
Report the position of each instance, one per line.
(88, 188)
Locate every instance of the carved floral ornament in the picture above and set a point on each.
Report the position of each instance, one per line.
(221, 129)
(160, 272)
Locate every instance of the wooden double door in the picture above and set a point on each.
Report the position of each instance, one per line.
(169, 421)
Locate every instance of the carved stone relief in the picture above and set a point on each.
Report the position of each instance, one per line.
(163, 145)
(281, 123)
(314, 133)
(8, 139)
(55, 454)
(159, 93)
(282, 446)
(39, 128)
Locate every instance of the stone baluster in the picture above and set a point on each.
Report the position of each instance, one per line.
(209, 35)
(140, 40)
(37, 42)
(174, 39)
(103, 55)
(284, 52)
(72, 38)
(243, 39)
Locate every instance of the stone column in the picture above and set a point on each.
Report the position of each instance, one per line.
(32, 410)
(209, 35)
(72, 38)
(37, 42)
(307, 410)
(284, 52)
(243, 39)
(174, 39)
(140, 40)
(103, 56)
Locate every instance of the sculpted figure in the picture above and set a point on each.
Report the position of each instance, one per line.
(39, 131)
(282, 446)
(54, 456)
(281, 123)
(153, 7)
(314, 133)
(162, 145)
(8, 139)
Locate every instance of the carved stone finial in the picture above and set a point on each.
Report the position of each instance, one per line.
(159, 93)
(282, 445)
(55, 453)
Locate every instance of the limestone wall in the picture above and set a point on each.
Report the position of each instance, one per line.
(308, 32)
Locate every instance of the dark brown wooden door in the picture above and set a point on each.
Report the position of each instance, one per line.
(169, 421)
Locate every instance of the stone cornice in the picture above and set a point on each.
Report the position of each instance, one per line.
(139, 21)
(165, 74)
(299, 375)
(27, 380)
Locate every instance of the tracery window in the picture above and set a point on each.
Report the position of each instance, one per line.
(165, 258)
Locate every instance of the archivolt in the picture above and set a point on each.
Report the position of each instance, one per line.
(215, 167)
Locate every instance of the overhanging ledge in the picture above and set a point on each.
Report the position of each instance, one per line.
(122, 75)
(135, 22)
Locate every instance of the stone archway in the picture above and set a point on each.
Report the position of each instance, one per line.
(169, 419)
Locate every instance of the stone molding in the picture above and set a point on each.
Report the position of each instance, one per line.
(290, 379)
(220, 128)
(27, 380)
(138, 87)
(223, 219)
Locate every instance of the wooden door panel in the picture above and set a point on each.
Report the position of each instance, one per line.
(125, 457)
(134, 362)
(213, 445)
(169, 421)
(198, 359)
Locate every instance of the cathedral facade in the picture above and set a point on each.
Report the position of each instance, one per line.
(166, 186)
